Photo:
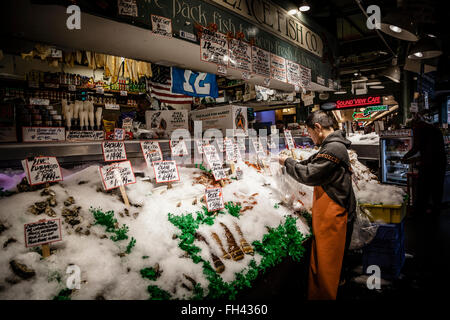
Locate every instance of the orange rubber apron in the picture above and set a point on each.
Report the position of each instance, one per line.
(329, 224)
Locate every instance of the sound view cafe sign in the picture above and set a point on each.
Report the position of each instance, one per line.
(358, 102)
(277, 21)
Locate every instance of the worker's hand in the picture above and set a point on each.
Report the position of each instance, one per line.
(282, 159)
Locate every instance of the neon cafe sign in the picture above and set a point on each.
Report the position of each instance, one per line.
(358, 102)
(366, 114)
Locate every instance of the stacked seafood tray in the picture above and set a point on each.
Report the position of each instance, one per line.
(386, 250)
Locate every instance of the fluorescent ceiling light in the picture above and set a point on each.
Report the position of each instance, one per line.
(304, 6)
(377, 87)
(395, 28)
(340, 92)
(373, 83)
(292, 11)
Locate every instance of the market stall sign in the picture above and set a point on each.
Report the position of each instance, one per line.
(260, 62)
(195, 84)
(213, 47)
(84, 135)
(117, 174)
(229, 149)
(358, 102)
(369, 110)
(293, 73)
(151, 151)
(278, 21)
(360, 116)
(178, 148)
(305, 74)
(214, 199)
(42, 170)
(42, 232)
(240, 55)
(278, 68)
(114, 150)
(166, 171)
(213, 160)
(41, 134)
(161, 25)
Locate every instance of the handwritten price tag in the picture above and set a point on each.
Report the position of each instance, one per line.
(42, 232)
(151, 151)
(119, 134)
(178, 148)
(229, 149)
(166, 171)
(114, 150)
(289, 140)
(42, 170)
(213, 159)
(117, 174)
(214, 199)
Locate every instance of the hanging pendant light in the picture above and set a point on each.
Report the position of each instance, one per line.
(393, 72)
(304, 6)
(426, 48)
(399, 24)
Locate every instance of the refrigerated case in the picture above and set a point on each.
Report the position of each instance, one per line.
(393, 146)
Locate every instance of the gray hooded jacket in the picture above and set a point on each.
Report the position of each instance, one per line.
(330, 168)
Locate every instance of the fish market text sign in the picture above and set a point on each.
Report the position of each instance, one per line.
(358, 102)
(276, 20)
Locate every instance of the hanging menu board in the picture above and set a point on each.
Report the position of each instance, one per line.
(117, 174)
(278, 68)
(178, 148)
(151, 151)
(293, 73)
(114, 150)
(42, 170)
(212, 157)
(213, 47)
(161, 25)
(42, 232)
(214, 199)
(240, 55)
(289, 140)
(166, 171)
(261, 62)
(306, 77)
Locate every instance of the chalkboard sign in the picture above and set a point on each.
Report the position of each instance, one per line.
(293, 73)
(240, 55)
(289, 140)
(261, 62)
(278, 68)
(161, 25)
(213, 47)
(42, 232)
(117, 174)
(42, 170)
(213, 160)
(151, 151)
(166, 171)
(114, 151)
(41, 134)
(214, 199)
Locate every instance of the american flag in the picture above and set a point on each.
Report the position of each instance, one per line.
(160, 85)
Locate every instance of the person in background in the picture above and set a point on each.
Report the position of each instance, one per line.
(428, 144)
(280, 126)
(334, 203)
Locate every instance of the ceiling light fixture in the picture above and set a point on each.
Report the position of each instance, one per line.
(373, 83)
(425, 48)
(392, 73)
(340, 92)
(292, 11)
(399, 24)
(377, 87)
(304, 7)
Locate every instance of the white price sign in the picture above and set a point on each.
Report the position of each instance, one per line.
(114, 150)
(42, 232)
(42, 170)
(112, 106)
(161, 25)
(214, 199)
(178, 148)
(151, 151)
(166, 171)
(39, 134)
(119, 134)
(289, 140)
(99, 90)
(213, 47)
(213, 160)
(117, 174)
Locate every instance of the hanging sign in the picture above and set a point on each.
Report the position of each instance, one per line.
(42, 232)
(306, 77)
(213, 159)
(127, 8)
(114, 150)
(178, 148)
(214, 199)
(261, 62)
(240, 55)
(213, 47)
(289, 140)
(161, 25)
(357, 116)
(195, 84)
(117, 174)
(293, 73)
(369, 110)
(166, 171)
(358, 102)
(278, 68)
(41, 134)
(151, 151)
(42, 170)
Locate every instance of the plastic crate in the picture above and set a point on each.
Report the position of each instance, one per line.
(390, 264)
(386, 213)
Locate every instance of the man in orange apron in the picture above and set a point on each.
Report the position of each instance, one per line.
(329, 171)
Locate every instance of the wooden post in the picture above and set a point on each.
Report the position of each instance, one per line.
(233, 169)
(169, 185)
(222, 183)
(45, 250)
(293, 155)
(124, 196)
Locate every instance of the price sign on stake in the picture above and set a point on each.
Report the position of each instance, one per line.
(114, 151)
(42, 233)
(289, 140)
(42, 170)
(214, 199)
(151, 151)
(166, 171)
(229, 150)
(178, 148)
(214, 162)
(117, 174)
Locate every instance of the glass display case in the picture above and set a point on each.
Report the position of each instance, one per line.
(393, 146)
